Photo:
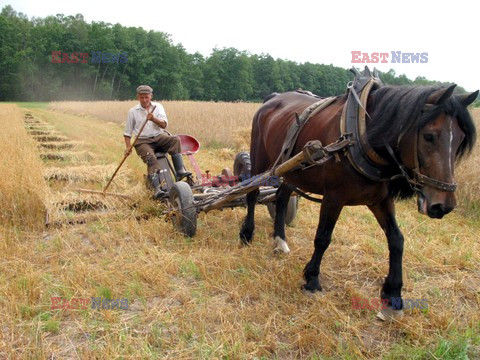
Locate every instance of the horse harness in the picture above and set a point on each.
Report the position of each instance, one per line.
(353, 141)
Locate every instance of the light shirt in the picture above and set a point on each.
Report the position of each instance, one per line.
(137, 116)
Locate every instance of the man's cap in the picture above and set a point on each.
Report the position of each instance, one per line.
(144, 89)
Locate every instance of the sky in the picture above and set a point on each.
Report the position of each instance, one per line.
(303, 31)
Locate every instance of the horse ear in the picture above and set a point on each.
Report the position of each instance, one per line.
(366, 72)
(355, 72)
(467, 99)
(441, 95)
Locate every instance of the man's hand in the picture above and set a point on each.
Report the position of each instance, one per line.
(128, 145)
(160, 122)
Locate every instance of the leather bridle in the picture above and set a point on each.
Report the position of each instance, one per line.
(418, 178)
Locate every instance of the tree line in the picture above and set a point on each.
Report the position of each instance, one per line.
(40, 60)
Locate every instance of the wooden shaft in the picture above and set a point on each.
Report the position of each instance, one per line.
(238, 191)
(115, 173)
(127, 154)
(250, 184)
(253, 183)
(218, 204)
(288, 165)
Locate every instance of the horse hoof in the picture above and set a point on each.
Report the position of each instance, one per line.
(310, 292)
(312, 287)
(246, 237)
(282, 246)
(245, 242)
(389, 314)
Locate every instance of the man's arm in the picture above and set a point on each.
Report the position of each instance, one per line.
(159, 117)
(160, 122)
(128, 145)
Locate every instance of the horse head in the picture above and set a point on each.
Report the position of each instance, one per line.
(441, 135)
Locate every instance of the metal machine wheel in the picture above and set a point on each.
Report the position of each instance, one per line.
(185, 216)
(242, 166)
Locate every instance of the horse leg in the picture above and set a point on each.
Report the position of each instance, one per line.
(248, 226)
(392, 287)
(281, 204)
(329, 213)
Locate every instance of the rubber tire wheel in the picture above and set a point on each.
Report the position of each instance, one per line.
(242, 166)
(185, 218)
(292, 208)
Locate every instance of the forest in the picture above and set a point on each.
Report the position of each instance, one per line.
(65, 58)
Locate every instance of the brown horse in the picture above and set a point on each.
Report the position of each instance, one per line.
(399, 115)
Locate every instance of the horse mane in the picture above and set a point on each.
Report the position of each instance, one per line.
(394, 110)
(270, 96)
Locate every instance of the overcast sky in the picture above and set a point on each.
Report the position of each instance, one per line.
(303, 31)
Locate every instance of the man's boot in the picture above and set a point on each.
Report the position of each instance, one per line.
(158, 193)
(179, 167)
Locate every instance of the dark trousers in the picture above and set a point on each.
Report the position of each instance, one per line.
(147, 147)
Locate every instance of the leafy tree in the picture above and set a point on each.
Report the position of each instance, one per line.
(27, 71)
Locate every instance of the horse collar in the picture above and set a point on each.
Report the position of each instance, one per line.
(353, 121)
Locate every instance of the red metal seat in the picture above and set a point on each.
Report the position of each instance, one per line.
(190, 145)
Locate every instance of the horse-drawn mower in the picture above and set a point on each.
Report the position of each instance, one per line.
(204, 192)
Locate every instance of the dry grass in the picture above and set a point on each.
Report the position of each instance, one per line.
(75, 156)
(210, 298)
(213, 123)
(39, 132)
(86, 173)
(22, 189)
(70, 207)
(50, 138)
(58, 145)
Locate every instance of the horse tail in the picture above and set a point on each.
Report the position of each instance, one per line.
(268, 97)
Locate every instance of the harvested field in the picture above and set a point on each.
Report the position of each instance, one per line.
(39, 132)
(208, 297)
(59, 145)
(50, 138)
(93, 173)
(71, 156)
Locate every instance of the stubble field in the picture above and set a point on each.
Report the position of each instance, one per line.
(207, 297)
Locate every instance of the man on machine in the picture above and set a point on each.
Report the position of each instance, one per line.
(154, 138)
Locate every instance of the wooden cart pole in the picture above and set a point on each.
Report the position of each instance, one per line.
(255, 182)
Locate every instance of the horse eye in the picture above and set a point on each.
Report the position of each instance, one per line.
(428, 137)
